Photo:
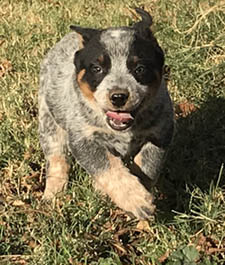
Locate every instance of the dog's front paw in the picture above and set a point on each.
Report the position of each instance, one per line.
(139, 203)
(53, 187)
(128, 193)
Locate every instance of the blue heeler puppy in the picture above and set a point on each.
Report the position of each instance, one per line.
(103, 98)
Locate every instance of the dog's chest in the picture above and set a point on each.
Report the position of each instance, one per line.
(120, 145)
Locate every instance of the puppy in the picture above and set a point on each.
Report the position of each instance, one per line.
(103, 98)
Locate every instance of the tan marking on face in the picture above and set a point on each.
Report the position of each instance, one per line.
(124, 188)
(57, 176)
(135, 59)
(84, 86)
(80, 41)
(101, 59)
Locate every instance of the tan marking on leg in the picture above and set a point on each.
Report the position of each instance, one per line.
(125, 189)
(84, 86)
(138, 159)
(57, 176)
(136, 169)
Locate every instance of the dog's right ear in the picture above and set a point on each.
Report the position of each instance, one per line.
(85, 33)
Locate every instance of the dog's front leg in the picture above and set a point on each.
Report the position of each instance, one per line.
(111, 177)
(148, 163)
(54, 143)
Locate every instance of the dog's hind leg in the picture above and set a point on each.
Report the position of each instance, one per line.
(53, 140)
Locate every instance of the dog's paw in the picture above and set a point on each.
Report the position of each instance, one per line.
(139, 203)
(53, 187)
(128, 193)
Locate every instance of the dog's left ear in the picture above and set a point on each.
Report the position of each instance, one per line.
(143, 30)
(86, 33)
(143, 26)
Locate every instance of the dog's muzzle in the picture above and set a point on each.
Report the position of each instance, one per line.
(119, 120)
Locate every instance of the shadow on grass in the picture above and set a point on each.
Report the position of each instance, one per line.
(195, 157)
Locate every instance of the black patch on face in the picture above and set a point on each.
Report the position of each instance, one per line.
(145, 59)
(95, 60)
(86, 33)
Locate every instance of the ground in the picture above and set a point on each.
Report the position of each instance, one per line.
(82, 227)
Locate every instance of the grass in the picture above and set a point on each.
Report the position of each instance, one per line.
(81, 227)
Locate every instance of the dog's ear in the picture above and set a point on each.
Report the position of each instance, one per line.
(146, 17)
(85, 33)
(143, 26)
(143, 30)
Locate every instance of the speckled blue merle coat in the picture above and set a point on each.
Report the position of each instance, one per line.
(103, 97)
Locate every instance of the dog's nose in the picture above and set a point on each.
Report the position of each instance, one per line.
(119, 98)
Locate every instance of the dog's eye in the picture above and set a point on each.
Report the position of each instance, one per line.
(96, 69)
(140, 69)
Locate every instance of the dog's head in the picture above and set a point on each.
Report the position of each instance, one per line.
(120, 69)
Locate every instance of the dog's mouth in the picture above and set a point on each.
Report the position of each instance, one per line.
(118, 120)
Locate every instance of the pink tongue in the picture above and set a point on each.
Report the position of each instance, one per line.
(119, 116)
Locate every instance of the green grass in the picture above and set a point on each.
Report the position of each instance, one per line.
(81, 227)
